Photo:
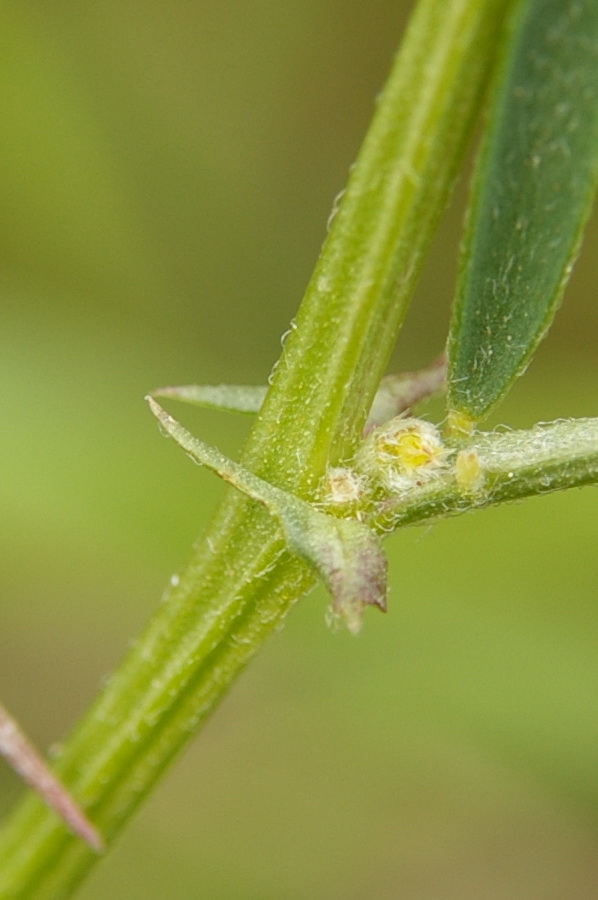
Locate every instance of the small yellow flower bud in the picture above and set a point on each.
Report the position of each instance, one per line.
(402, 453)
(468, 472)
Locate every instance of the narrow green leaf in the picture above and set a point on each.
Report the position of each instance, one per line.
(345, 553)
(238, 398)
(534, 184)
(397, 393)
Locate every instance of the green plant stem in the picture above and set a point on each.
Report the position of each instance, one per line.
(346, 327)
(241, 582)
(513, 465)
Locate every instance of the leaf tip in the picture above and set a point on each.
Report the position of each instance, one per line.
(164, 419)
(27, 762)
(348, 612)
(358, 584)
(153, 404)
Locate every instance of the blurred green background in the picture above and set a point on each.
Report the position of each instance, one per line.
(166, 174)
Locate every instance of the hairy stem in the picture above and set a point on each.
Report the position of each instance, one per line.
(241, 581)
(504, 467)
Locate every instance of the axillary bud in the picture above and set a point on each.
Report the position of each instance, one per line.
(402, 453)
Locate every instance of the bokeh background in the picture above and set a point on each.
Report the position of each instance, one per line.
(166, 171)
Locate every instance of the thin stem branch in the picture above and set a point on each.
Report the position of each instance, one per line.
(504, 467)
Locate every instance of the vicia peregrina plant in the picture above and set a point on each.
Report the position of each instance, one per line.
(336, 459)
